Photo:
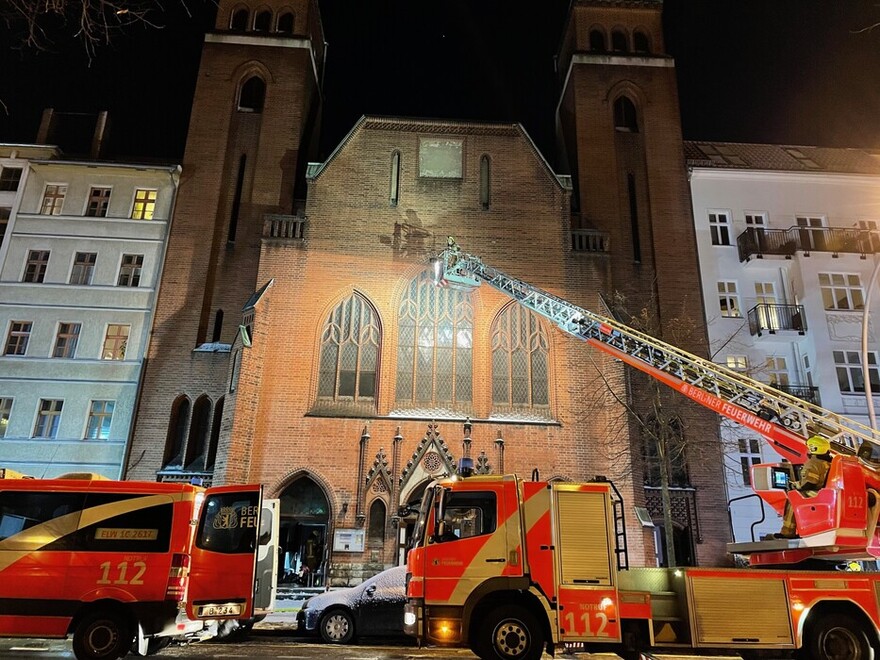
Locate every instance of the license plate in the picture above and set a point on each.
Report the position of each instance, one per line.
(229, 609)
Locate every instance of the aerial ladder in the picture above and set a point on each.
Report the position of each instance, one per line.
(838, 523)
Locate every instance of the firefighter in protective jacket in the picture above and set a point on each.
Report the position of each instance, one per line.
(813, 475)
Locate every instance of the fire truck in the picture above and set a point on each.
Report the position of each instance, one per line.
(509, 567)
(124, 566)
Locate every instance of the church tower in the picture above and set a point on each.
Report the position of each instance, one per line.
(255, 118)
(619, 128)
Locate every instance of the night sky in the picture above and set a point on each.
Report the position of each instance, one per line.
(782, 71)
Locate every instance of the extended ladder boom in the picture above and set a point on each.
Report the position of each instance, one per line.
(784, 420)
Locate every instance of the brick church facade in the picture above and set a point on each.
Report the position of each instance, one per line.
(299, 341)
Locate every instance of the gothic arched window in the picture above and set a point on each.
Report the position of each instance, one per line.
(394, 192)
(239, 20)
(376, 526)
(618, 42)
(485, 182)
(640, 42)
(262, 21)
(597, 40)
(286, 22)
(176, 437)
(435, 353)
(520, 360)
(197, 444)
(625, 118)
(349, 351)
(211, 457)
(252, 95)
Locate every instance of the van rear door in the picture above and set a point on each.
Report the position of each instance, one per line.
(221, 579)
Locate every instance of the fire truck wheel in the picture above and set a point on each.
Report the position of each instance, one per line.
(101, 635)
(837, 637)
(512, 633)
(337, 627)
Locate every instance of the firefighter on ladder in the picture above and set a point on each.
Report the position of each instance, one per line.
(813, 475)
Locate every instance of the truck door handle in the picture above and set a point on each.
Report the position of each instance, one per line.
(497, 560)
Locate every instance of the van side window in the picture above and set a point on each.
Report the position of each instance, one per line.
(229, 523)
(469, 514)
(125, 522)
(34, 520)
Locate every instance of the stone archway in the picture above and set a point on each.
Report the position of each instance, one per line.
(304, 526)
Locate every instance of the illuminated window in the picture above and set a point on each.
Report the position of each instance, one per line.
(5, 412)
(99, 200)
(520, 359)
(597, 41)
(144, 204)
(115, 342)
(9, 178)
(252, 95)
(83, 268)
(100, 418)
(286, 22)
(435, 350)
(777, 371)
(18, 337)
(625, 118)
(66, 340)
(749, 455)
(130, 270)
(850, 377)
(35, 268)
(728, 300)
(719, 227)
(48, 418)
(841, 291)
(53, 199)
(349, 352)
(738, 362)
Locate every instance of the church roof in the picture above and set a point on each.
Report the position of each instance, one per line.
(780, 157)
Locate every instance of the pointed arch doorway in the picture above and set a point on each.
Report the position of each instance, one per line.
(305, 518)
(409, 502)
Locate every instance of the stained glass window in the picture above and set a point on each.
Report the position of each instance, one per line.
(520, 352)
(349, 351)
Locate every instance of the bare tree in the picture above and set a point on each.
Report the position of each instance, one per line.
(38, 24)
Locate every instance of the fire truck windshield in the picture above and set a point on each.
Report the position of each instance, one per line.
(418, 535)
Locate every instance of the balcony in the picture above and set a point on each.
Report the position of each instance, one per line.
(771, 318)
(284, 227)
(804, 392)
(589, 240)
(756, 243)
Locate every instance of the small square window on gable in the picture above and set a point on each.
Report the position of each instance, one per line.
(440, 158)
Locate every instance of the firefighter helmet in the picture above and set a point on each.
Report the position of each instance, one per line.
(818, 445)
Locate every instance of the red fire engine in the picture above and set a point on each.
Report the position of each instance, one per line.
(125, 565)
(507, 567)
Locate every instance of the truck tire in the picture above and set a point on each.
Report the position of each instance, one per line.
(102, 635)
(510, 632)
(837, 637)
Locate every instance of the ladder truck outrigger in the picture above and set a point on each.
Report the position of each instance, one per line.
(508, 567)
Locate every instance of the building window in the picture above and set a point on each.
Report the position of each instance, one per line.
(841, 291)
(376, 526)
(115, 342)
(239, 20)
(485, 181)
(719, 227)
(870, 242)
(144, 204)
(520, 359)
(811, 233)
(53, 199)
(48, 418)
(197, 443)
(728, 299)
(5, 412)
(18, 337)
(83, 268)
(176, 438)
(9, 178)
(395, 178)
(597, 41)
(850, 377)
(66, 340)
(435, 350)
(618, 42)
(749, 455)
(214, 441)
(252, 95)
(738, 363)
(35, 268)
(640, 42)
(130, 270)
(625, 118)
(777, 371)
(768, 313)
(99, 200)
(756, 220)
(286, 23)
(262, 21)
(100, 417)
(349, 351)
(5, 212)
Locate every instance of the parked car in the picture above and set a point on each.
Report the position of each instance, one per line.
(374, 607)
